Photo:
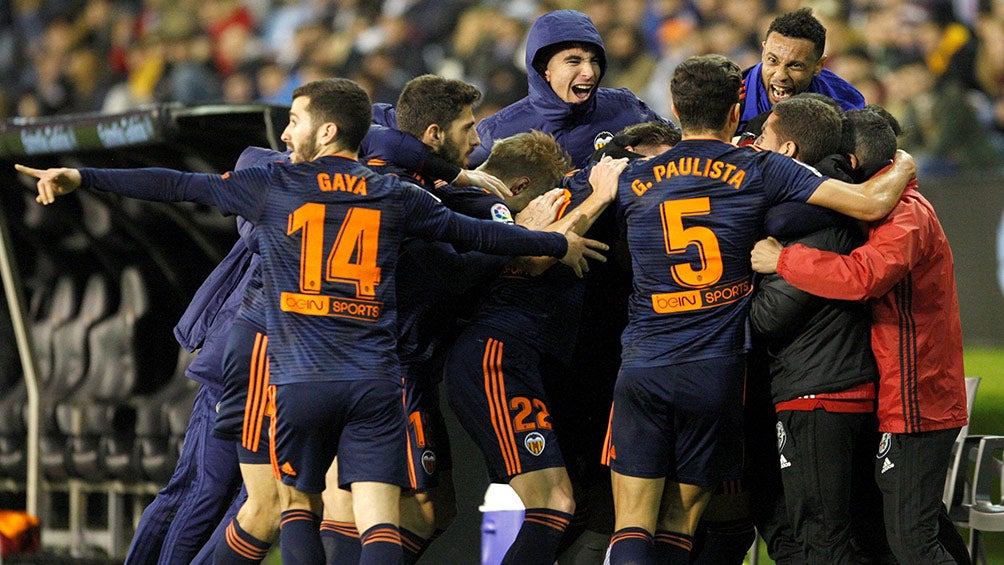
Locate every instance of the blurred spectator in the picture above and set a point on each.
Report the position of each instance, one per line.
(198, 51)
(940, 128)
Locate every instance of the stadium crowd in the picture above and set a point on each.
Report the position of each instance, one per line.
(930, 62)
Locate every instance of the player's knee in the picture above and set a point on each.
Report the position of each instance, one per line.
(561, 498)
(264, 507)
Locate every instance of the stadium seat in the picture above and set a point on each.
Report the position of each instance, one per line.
(62, 310)
(987, 511)
(13, 459)
(957, 495)
(102, 404)
(148, 455)
(71, 356)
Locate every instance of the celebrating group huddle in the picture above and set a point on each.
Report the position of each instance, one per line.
(376, 271)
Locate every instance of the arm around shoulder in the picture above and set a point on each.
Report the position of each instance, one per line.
(871, 200)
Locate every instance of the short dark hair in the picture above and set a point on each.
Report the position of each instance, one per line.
(893, 122)
(544, 54)
(801, 24)
(342, 102)
(822, 98)
(432, 99)
(652, 133)
(868, 135)
(704, 89)
(813, 125)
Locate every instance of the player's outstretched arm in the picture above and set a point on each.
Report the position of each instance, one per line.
(873, 199)
(581, 248)
(52, 182)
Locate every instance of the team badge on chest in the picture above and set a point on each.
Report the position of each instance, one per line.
(602, 139)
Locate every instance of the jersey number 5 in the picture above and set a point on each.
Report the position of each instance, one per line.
(679, 238)
(353, 257)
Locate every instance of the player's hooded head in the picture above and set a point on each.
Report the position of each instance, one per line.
(528, 163)
(327, 116)
(439, 111)
(564, 58)
(705, 93)
(805, 127)
(792, 54)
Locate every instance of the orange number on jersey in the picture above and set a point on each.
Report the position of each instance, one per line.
(520, 423)
(679, 238)
(415, 419)
(524, 420)
(353, 258)
(358, 238)
(309, 218)
(542, 414)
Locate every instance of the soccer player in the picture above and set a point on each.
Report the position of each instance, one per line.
(565, 61)
(791, 63)
(906, 272)
(432, 280)
(822, 373)
(494, 377)
(692, 214)
(328, 232)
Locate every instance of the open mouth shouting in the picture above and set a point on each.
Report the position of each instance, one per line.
(779, 93)
(581, 92)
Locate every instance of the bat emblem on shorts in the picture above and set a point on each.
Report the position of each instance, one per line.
(535, 443)
(429, 462)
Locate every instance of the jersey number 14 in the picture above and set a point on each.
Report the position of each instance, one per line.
(353, 257)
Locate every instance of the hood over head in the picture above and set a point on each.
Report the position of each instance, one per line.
(560, 26)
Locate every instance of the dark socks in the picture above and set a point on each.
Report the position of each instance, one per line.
(340, 541)
(239, 547)
(672, 547)
(538, 538)
(381, 546)
(299, 538)
(631, 546)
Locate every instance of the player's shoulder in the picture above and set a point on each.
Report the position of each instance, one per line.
(259, 156)
(516, 117)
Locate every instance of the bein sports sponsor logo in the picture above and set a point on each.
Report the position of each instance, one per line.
(672, 302)
(316, 305)
(48, 139)
(127, 130)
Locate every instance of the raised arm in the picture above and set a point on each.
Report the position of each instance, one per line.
(871, 200)
(603, 178)
(433, 220)
(240, 192)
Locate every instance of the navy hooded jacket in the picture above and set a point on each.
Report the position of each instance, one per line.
(579, 128)
(205, 324)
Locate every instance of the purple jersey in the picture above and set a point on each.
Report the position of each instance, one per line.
(329, 232)
(692, 216)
